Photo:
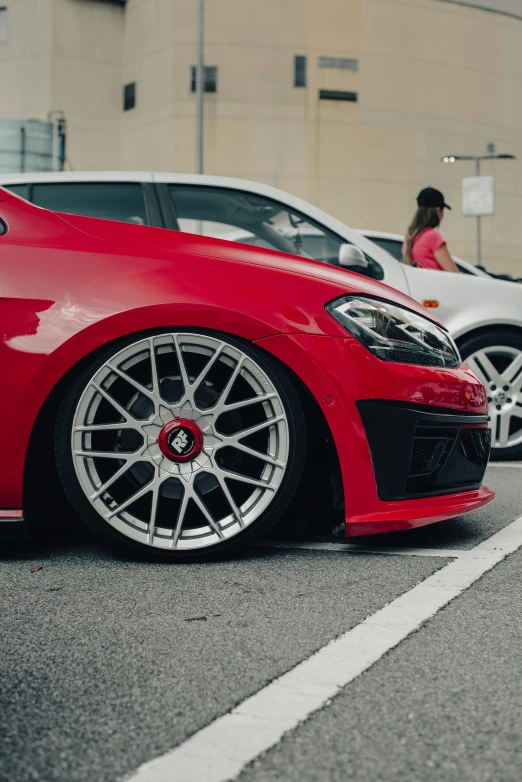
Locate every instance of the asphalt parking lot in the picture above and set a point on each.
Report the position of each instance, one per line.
(107, 663)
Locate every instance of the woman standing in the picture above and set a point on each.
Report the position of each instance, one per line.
(424, 246)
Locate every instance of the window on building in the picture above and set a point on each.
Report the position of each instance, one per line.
(342, 63)
(121, 201)
(3, 24)
(299, 71)
(210, 73)
(129, 96)
(337, 95)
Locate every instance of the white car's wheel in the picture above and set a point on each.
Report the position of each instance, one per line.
(496, 358)
(181, 444)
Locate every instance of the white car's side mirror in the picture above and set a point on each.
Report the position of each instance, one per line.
(350, 255)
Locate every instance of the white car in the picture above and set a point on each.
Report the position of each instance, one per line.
(392, 243)
(484, 315)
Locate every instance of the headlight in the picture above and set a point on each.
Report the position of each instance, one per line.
(393, 333)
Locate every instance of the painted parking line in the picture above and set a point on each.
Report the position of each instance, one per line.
(221, 750)
(357, 548)
(512, 465)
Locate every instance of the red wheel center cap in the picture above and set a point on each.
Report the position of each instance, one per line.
(181, 440)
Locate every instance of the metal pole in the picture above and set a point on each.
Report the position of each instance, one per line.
(22, 149)
(479, 237)
(54, 135)
(199, 88)
(62, 127)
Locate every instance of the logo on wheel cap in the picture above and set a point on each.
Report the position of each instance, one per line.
(181, 440)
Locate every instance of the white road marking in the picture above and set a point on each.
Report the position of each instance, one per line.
(515, 465)
(221, 750)
(358, 548)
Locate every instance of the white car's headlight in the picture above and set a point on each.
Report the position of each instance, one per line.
(393, 333)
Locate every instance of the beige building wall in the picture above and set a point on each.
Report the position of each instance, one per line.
(25, 60)
(257, 125)
(67, 55)
(86, 78)
(434, 78)
(444, 79)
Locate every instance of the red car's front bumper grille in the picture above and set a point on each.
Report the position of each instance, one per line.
(417, 452)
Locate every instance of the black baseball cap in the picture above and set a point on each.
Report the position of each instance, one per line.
(431, 197)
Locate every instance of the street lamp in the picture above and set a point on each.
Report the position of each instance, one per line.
(477, 159)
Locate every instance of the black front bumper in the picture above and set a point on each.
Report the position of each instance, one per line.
(417, 452)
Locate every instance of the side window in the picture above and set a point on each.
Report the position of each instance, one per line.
(392, 246)
(120, 201)
(19, 190)
(252, 219)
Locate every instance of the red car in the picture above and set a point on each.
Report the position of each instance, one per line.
(188, 394)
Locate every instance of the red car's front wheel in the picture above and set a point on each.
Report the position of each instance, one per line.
(181, 444)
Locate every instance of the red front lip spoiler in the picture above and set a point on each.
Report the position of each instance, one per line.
(404, 515)
(11, 515)
(398, 516)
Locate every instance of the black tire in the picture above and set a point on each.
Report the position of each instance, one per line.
(319, 505)
(486, 340)
(297, 436)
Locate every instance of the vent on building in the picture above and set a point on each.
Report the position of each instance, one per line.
(342, 63)
(129, 96)
(299, 71)
(31, 145)
(3, 24)
(210, 73)
(337, 95)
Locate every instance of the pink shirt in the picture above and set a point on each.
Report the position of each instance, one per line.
(424, 248)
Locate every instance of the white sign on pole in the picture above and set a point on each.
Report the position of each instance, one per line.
(478, 196)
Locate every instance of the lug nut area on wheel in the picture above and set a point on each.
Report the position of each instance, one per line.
(181, 440)
(500, 397)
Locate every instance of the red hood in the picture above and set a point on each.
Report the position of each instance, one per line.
(181, 242)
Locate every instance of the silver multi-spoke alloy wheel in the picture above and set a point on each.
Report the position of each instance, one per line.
(499, 367)
(180, 441)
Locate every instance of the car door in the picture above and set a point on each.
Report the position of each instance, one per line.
(250, 218)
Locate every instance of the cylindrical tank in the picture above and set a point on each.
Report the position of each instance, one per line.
(31, 145)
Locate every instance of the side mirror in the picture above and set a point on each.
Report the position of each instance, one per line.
(350, 255)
